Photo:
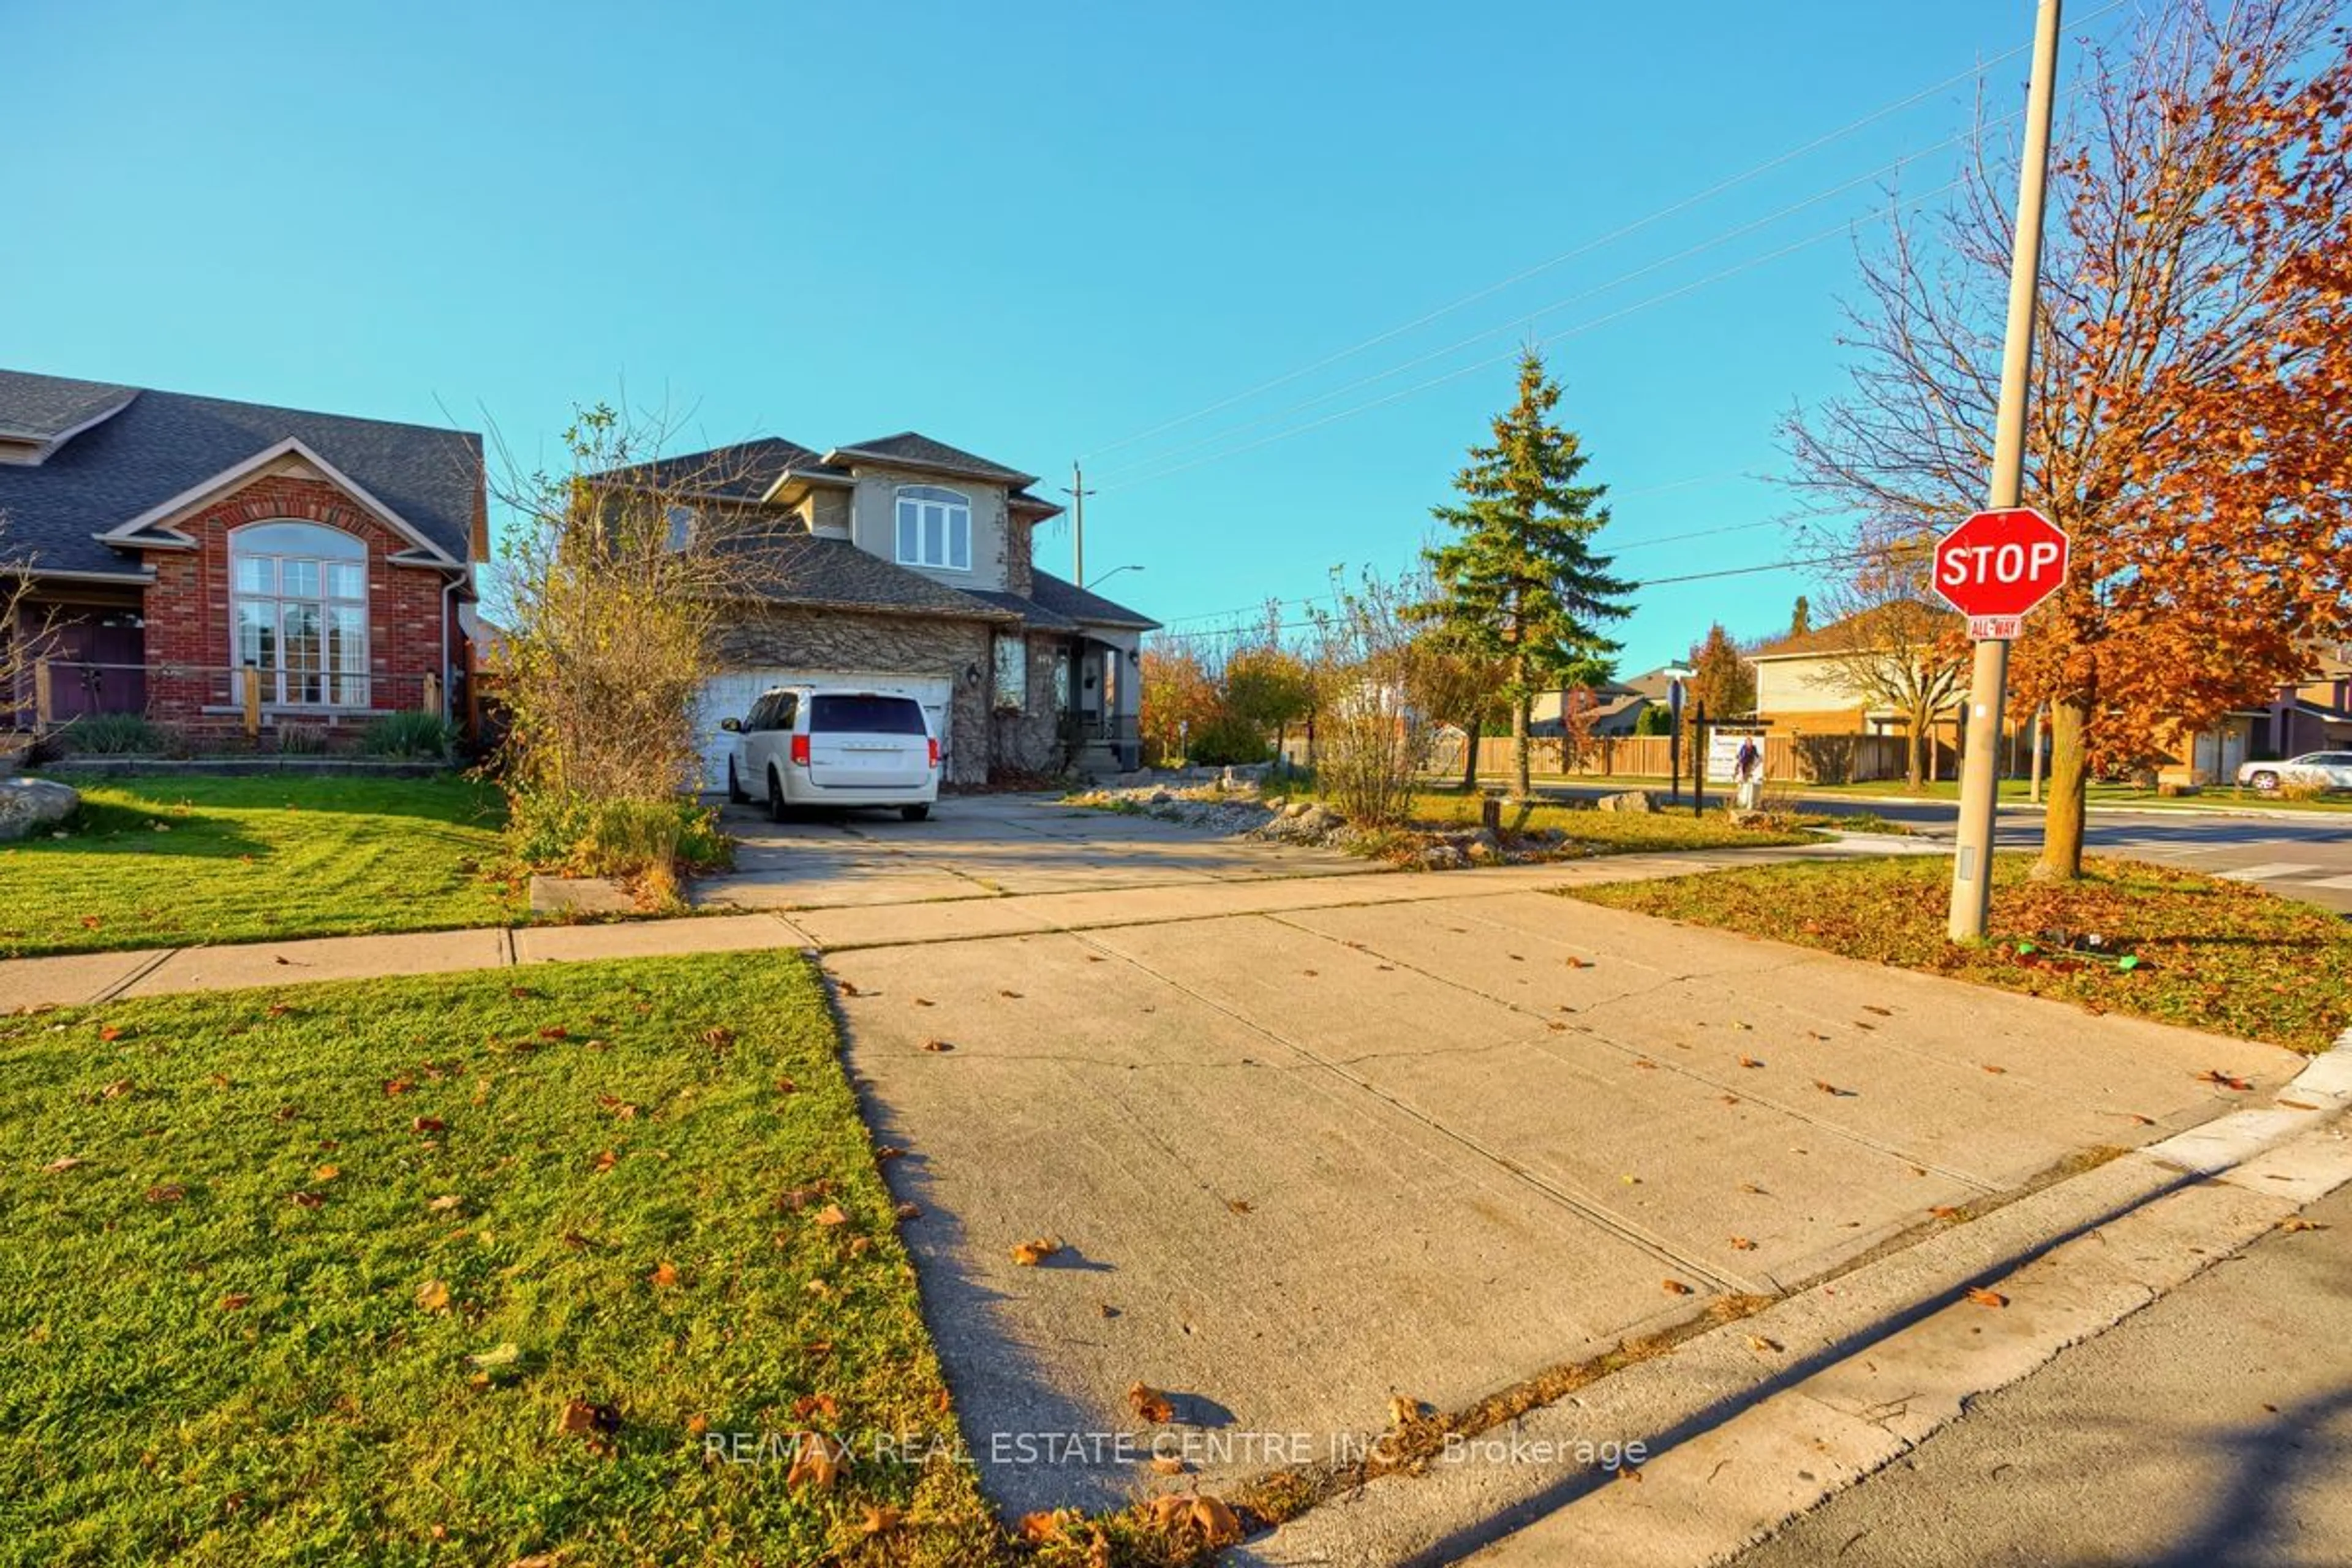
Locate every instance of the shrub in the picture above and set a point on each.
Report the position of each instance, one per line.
(114, 736)
(413, 732)
(1224, 740)
(644, 845)
(301, 740)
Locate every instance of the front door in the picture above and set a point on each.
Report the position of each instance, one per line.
(96, 665)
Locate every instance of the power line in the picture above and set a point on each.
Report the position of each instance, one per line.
(1154, 462)
(1684, 205)
(1461, 370)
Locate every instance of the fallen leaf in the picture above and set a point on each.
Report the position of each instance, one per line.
(907, 1211)
(1741, 1244)
(306, 1200)
(1404, 1412)
(1576, 962)
(116, 1089)
(235, 1301)
(1984, 1297)
(665, 1274)
(582, 1418)
(718, 1036)
(1989, 1068)
(1828, 1088)
(1751, 1187)
(109, 1032)
(824, 1405)
(1730, 1099)
(1217, 1523)
(1239, 1205)
(817, 1462)
(1676, 1288)
(887, 1152)
(397, 1086)
(924, 1002)
(91, 922)
(1045, 1525)
(1029, 1254)
(831, 1215)
(1749, 1062)
(2295, 1222)
(2221, 1080)
(497, 1356)
(1167, 1464)
(1010, 996)
(1171, 1508)
(428, 1124)
(1882, 1012)
(326, 1172)
(606, 1161)
(555, 1032)
(1150, 1403)
(937, 1046)
(1629, 1472)
(786, 1086)
(445, 1203)
(64, 1163)
(1762, 1345)
(1945, 1211)
(432, 1295)
(881, 1519)
(2294, 1104)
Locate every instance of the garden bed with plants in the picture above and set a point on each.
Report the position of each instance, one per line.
(1441, 830)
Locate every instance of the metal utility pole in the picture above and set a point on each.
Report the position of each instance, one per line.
(1988, 679)
(1077, 492)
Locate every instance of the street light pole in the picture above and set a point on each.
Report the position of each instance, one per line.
(1989, 678)
(1077, 492)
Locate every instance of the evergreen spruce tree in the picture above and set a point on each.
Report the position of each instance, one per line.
(1519, 583)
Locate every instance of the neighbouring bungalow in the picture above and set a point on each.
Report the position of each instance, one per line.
(184, 552)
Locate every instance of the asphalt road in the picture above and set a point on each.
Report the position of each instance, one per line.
(2297, 857)
(2211, 1430)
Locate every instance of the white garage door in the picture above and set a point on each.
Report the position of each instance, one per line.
(730, 696)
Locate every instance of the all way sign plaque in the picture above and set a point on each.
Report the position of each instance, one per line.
(1998, 566)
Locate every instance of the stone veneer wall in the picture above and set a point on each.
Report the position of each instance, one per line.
(798, 637)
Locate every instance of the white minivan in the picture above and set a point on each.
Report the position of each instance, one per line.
(816, 745)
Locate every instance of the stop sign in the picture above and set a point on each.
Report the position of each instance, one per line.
(1998, 566)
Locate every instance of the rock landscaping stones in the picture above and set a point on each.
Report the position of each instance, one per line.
(1241, 810)
(1632, 800)
(28, 806)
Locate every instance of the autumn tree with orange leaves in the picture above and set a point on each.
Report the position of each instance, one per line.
(2190, 412)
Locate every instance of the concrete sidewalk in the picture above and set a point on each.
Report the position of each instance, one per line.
(80, 979)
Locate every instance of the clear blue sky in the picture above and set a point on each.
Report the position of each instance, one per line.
(1031, 230)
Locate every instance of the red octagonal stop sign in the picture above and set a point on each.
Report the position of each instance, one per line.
(1998, 564)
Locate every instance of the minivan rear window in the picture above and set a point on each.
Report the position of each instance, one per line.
(866, 716)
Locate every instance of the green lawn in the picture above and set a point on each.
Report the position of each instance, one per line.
(176, 859)
(459, 1270)
(1669, 828)
(2214, 955)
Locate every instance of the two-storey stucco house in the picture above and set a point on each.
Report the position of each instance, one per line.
(904, 564)
(182, 551)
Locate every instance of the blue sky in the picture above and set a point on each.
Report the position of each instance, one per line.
(1035, 231)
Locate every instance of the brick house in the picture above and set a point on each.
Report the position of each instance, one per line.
(904, 563)
(180, 547)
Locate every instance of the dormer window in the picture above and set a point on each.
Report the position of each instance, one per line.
(934, 527)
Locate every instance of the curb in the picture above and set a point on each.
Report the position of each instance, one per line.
(1747, 1425)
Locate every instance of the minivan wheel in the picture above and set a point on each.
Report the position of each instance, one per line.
(2266, 781)
(735, 787)
(915, 813)
(775, 797)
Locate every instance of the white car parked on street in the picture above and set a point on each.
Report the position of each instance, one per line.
(814, 745)
(2327, 770)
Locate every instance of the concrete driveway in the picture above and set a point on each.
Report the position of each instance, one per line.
(1417, 1136)
(980, 847)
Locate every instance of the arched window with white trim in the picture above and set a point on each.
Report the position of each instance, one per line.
(934, 527)
(298, 612)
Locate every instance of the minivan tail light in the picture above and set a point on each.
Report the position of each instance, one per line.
(935, 750)
(800, 751)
